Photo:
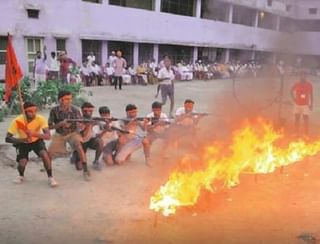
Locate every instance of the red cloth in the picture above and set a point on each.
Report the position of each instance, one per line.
(13, 70)
(302, 92)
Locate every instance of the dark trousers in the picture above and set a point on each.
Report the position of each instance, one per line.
(118, 80)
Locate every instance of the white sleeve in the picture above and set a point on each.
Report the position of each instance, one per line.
(160, 75)
(165, 117)
(180, 111)
(172, 75)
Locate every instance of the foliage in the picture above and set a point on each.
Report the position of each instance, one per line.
(45, 95)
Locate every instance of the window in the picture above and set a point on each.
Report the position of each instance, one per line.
(267, 21)
(214, 10)
(269, 3)
(145, 52)
(143, 4)
(33, 13)
(3, 48)
(288, 7)
(313, 10)
(243, 15)
(125, 47)
(308, 25)
(182, 7)
(89, 46)
(177, 53)
(92, 1)
(33, 46)
(61, 45)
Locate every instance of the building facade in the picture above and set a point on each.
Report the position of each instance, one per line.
(211, 30)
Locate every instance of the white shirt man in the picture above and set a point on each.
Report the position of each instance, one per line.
(109, 70)
(85, 70)
(91, 58)
(40, 69)
(112, 57)
(132, 71)
(184, 114)
(163, 118)
(54, 64)
(167, 75)
(96, 69)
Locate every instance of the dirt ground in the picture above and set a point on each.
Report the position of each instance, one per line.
(113, 207)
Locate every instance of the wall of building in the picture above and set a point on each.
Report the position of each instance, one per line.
(76, 20)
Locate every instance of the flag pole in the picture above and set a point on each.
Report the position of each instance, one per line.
(21, 99)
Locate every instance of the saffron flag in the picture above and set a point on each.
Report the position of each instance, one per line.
(13, 70)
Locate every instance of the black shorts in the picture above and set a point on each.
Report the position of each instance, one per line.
(111, 147)
(23, 149)
(93, 144)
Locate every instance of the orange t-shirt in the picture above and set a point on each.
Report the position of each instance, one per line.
(302, 92)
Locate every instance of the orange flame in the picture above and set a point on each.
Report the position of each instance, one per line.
(255, 149)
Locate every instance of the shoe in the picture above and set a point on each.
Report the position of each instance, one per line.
(52, 182)
(86, 175)
(19, 180)
(96, 165)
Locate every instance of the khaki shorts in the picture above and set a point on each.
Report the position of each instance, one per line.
(58, 146)
(301, 109)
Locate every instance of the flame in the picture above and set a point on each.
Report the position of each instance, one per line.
(256, 148)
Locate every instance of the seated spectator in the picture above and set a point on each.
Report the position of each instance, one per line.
(85, 73)
(97, 74)
(184, 72)
(126, 78)
(132, 72)
(109, 72)
(142, 74)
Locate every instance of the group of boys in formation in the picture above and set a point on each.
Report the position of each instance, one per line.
(115, 139)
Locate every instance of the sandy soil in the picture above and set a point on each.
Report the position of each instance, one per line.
(113, 207)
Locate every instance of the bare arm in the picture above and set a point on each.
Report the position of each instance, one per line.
(11, 139)
(44, 136)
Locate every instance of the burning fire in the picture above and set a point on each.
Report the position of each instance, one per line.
(256, 148)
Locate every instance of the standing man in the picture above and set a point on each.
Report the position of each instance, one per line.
(27, 133)
(119, 150)
(65, 63)
(165, 78)
(112, 57)
(53, 67)
(90, 138)
(67, 132)
(91, 59)
(302, 95)
(119, 65)
(40, 68)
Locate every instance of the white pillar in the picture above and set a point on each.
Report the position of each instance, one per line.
(227, 55)
(136, 54)
(230, 13)
(157, 6)
(278, 23)
(274, 58)
(198, 9)
(195, 55)
(253, 55)
(74, 49)
(156, 52)
(256, 19)
(104, 52)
